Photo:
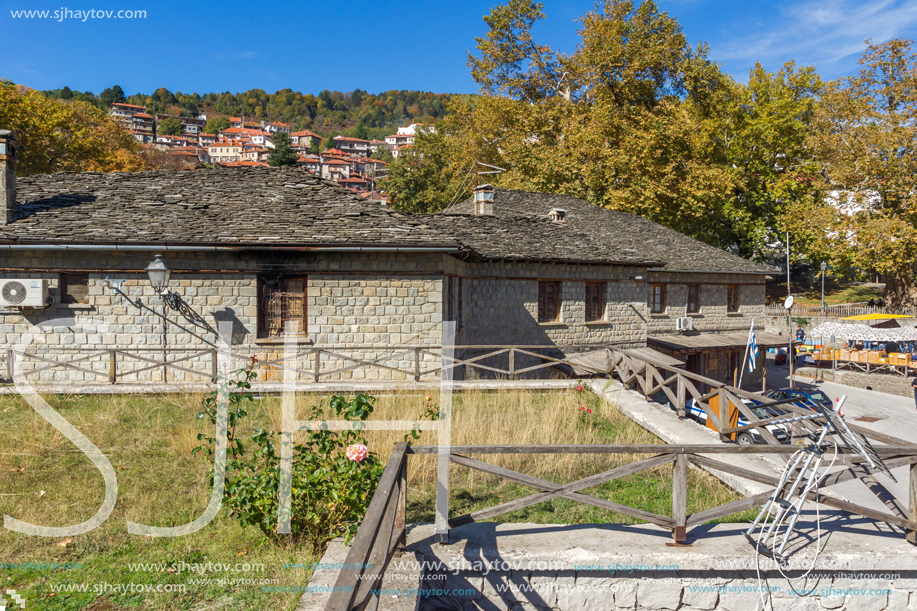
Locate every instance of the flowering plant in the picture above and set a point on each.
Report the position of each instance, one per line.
(334, 473)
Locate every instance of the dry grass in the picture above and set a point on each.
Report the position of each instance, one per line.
(45, 480)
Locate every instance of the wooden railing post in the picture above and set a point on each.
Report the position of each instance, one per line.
(722, 412)
(680, 404)
(512, 361)
(400, 528)
(112, 366)
(9, 364)
(912, 487)
(213, 365)
(417, 364)
(680, 498)
(317, 356)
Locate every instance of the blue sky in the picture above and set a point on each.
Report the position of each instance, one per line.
(385, 44)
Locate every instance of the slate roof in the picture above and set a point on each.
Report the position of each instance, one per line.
(608, 232)
(258, 206)
(263, 206)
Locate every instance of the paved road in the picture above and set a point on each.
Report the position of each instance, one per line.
(895, 416)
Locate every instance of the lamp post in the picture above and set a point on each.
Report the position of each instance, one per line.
(824, 266)
(159, 274)
(788, 304)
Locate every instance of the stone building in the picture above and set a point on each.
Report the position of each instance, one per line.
(263, 247)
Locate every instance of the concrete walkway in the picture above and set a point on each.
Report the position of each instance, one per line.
(882, 412)
(893, 415)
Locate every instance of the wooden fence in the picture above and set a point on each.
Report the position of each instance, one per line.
(319, 363)
(835, 311)
(382, 532)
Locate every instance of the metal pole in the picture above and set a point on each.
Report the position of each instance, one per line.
(823, 291)
(789, 355)
(165, 329)
(788, 291)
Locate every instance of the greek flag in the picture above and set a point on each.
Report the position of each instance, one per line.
(753, 345)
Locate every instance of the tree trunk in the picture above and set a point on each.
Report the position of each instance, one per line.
(900, 289)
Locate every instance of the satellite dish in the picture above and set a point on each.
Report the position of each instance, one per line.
(788, 303)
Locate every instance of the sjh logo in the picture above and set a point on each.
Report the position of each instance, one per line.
(16, 600)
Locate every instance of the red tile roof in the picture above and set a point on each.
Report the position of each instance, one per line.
(128, 105)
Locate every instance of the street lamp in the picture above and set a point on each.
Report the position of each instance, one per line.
(159, 274)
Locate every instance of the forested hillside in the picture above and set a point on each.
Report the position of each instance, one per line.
(328, 113)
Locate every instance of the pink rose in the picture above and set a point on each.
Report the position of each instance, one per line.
(579, 388)
(357, 452)
(589, 410)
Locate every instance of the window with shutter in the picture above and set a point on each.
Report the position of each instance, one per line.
(657, 298)
(693, 305)
(595, 301)
(548, 301)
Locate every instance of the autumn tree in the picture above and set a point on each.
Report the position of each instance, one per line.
(864, 135)
(626, 121)
(61, 136)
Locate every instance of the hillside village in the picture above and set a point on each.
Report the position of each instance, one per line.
(248, 142)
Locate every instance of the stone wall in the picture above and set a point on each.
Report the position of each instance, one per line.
(713, 315)
(879, 382)
(365, 300)
(353, 300)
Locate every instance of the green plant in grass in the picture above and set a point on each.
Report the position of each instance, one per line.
(333, 473)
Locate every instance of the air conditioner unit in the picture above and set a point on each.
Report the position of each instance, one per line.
(684, 324)
(24, 293)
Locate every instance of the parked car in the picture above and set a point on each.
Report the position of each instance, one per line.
(807, 398)
(781, 432)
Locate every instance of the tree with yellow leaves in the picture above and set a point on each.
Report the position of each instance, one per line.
(864, 137)
(61, 136)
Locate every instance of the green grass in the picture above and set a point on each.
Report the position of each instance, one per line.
(836, 293)
(45, 480)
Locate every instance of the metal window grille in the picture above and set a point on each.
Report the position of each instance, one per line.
(280, 303)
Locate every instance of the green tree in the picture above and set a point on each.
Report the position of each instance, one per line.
(112, 95)
(864, 136)
(215, 125)
(283, 154)
(169, 127)
(360, 132)
(764, 127)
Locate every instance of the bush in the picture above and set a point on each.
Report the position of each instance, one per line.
(334, 475)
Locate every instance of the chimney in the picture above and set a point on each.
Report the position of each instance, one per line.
(558, 215)
(8, 145)
(484, 200)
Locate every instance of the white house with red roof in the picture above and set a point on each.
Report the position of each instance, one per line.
(224, 150)
(354, 146)
(305, 138)
(277, 126)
